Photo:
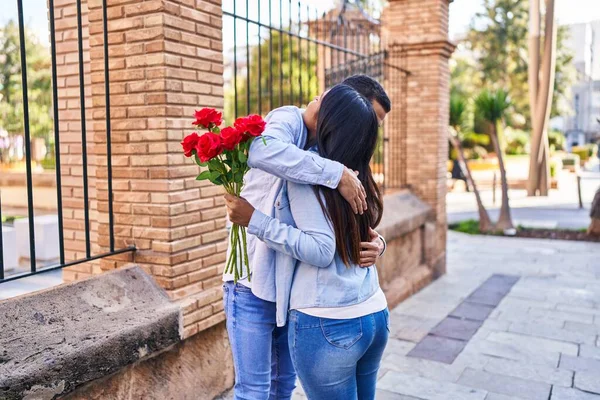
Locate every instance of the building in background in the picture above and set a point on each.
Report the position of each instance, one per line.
(583, 125)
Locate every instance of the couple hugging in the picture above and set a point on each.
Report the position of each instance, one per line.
(312, 305)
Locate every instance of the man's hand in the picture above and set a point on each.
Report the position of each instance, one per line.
(353, 191)
(238, 209)
(371, 250)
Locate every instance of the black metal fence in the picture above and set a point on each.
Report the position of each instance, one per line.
(61, 262)
(284, 52)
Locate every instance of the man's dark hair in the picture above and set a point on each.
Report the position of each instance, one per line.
(369, 88)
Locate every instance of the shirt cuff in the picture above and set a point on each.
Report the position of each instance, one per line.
(384, 246)
(332, 174)
(258, 224)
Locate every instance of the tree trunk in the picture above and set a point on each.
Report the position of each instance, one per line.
(485, 224)
(504, 220)
(594, 228)
(533, 75)
(539, 168)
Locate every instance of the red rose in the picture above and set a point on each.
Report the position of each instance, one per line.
(209, 146)
(253, 124)
(189, 143)
(208, 116)
(231, 137)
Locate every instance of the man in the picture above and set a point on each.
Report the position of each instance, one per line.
(263, 368)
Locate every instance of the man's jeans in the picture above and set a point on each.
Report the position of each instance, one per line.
(261, 357)
(338, 358)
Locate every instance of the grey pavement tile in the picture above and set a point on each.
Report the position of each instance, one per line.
(561, 315)
(427, 389)
(552, 332)
(496, 396)
(579, 309)
(495, 325)
(430, 309)
(503, 384)
(590, 329)
(587, 381)
(473, 311)
(517, 352)
(589, 351)
(560, 393)
(579, 364)
(529, 371)
(455, 328)
(398, 346)
(486, 296)
(386, 395)
(435, 370)
(534, 343)
(411, 328)
(438, 349)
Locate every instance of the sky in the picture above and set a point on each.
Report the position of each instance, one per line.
(461, 12)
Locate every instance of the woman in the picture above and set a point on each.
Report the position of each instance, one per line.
(338, 319)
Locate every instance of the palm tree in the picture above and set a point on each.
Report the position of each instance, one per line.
(492, 106)
(458, 108)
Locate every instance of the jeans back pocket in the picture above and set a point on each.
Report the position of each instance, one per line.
(342, 332)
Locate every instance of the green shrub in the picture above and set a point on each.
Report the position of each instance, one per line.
(582, 151)
(472, 139)
(479, 152)
(48, 163)
(556, 165)
(517, 141)
(570, 160)
(556, 140)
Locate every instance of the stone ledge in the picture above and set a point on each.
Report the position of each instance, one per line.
(55, 340)
(403, 212)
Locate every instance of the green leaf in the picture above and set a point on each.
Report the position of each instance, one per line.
(197, 159)
(242, 156)
(204, 176)
(264, 140)
(214, 174)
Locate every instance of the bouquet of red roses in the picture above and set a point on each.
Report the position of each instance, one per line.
(224, 155)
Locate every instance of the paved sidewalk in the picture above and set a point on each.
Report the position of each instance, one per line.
(540, 342)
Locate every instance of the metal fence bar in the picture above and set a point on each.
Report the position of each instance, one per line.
(30, 213)
(86, 211)
(248, 86)
(111, 219)
(259, 66)
(1, 242)
(61, 241)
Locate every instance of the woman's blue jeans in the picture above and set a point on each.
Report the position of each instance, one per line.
(261, 357)
(338, 358)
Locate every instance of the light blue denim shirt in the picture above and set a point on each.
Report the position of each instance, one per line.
(309, 271)
(281, 159)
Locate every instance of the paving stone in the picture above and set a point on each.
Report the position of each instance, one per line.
(503, 384)
(411, 328)
(560, 393)
(578, 308)
(386, 395)
(486, 296)
(561, 315)
(529, 371)
(534, 343)
(438, 371)
(517, 352)
(496, 396)
(590, 329)
(587, 381)
(398, 346)
(473, 311)
(589, 351)
(455, 328)
(551, 332)
(438, 349)
(428, 389)
(579, 364)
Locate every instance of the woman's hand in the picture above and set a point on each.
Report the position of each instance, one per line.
(371, 250)
(238, 209)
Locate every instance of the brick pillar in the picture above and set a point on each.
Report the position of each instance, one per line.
(67, 58)
(417, 31)
(165, 61)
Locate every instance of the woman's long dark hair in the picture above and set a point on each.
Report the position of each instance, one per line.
(347, 132)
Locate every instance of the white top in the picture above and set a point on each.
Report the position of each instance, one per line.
(377, 302)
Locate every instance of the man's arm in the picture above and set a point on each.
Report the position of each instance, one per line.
(282, 157)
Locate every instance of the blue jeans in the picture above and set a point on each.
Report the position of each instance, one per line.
(338, 358)
(261, 357)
